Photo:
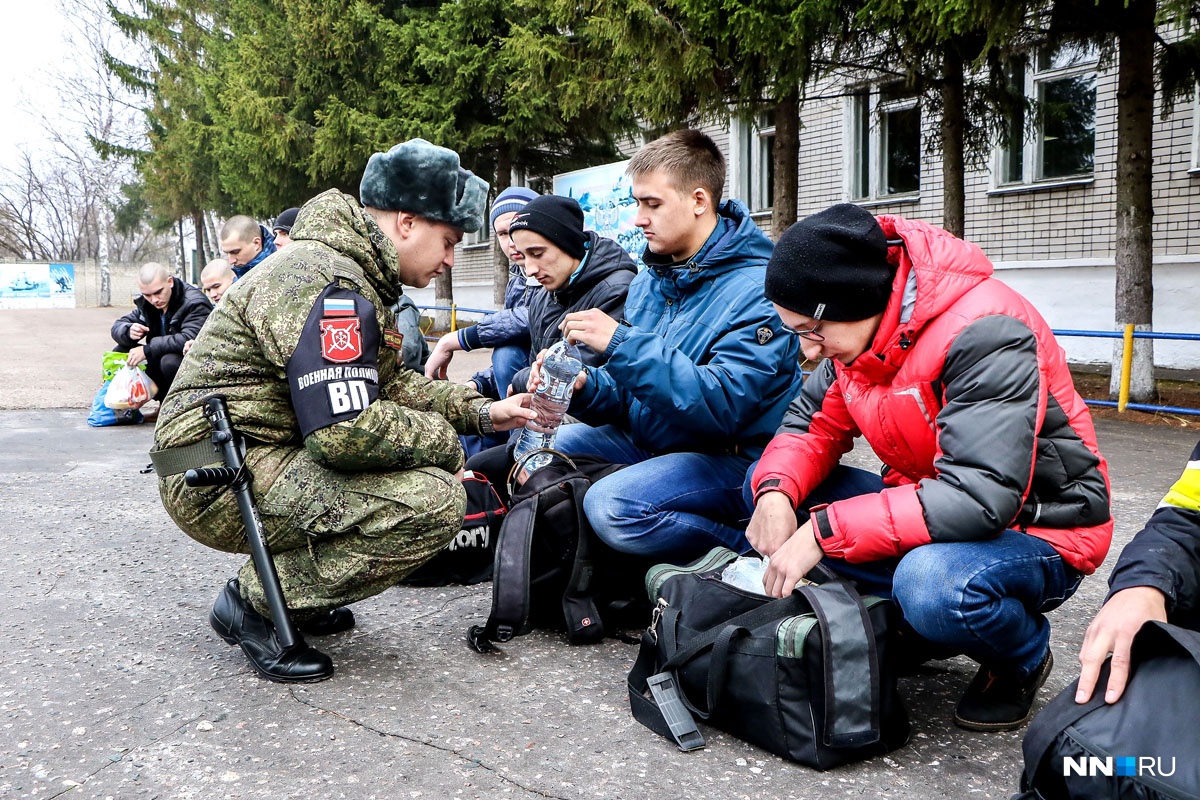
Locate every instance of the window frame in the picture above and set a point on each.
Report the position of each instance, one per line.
(750, 169)
(1032, 148)
(866, 131)
(1194, 167)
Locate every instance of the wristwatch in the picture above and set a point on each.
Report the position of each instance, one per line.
(485, 419)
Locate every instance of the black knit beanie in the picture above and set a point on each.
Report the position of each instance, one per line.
(832, 266)
(559, 219)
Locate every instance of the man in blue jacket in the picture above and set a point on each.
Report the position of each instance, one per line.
(245, 243)
(698, 372)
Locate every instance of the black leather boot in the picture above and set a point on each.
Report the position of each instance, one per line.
(237, 623)
(324, 623)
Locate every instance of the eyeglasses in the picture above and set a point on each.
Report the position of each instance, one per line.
(809, 335)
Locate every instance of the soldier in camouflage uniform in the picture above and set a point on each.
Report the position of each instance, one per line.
(354, 457)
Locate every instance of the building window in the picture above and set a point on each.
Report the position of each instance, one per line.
(1196, 128)
(1062, 144)
(481, 236)
(752, 161)
(885, 143)
(762, 181)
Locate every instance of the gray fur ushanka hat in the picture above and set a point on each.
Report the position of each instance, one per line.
(423, 179)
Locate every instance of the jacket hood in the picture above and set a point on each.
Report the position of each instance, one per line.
(337, 220)
(604, 257)
(934, 269)
(736, 243)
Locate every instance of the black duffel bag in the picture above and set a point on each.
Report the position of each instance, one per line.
(807, 677)
(469, 556)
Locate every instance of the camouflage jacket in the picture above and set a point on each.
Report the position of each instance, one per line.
(304, 350)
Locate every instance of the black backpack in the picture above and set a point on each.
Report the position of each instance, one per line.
(1146, 746)
(551, 570)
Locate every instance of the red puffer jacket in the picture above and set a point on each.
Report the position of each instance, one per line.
(966, 397)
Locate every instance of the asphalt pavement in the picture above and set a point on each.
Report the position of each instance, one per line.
(112, 685)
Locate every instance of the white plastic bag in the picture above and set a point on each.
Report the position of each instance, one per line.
(130, 388)
(747, 573)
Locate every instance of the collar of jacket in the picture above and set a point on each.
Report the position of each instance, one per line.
(735, 243)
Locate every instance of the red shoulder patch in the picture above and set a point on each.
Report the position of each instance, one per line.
(341, 340)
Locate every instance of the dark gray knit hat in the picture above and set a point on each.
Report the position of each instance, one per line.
(285, 220)
(832, 265)
(424, 179)
(559, 219)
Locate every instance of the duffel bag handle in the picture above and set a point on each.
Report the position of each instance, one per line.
(853, 680)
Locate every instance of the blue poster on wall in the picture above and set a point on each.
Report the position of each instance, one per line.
(605, 194)
(33, 285)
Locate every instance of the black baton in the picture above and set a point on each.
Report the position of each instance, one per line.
(236, 475)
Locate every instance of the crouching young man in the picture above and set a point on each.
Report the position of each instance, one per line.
(354, 457)
(994, 500)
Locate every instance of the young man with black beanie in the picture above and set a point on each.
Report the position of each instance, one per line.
(506, 331)
(994, 499)
(698, 370)
(578, 270)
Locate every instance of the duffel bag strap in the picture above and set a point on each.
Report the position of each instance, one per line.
(667, 710)
(780, 608)
(510, 579)
(663, 711)
(852, 671)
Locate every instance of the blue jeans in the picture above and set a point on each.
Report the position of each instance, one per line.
(507, 361)
(674, 507)
(985, 599)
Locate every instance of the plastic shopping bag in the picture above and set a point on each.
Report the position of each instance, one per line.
(130, 388)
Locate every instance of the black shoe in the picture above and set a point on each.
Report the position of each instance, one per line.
(324, 623)
(237, 623)
(1001, 701)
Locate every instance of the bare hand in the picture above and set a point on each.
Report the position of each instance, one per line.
(592, 327)
(1112, 631)
(512, 412)
(188, 345)
(136, 356)
(137, 330)
(792, 561)
(439, 359)
(535, 375)
(774, 521)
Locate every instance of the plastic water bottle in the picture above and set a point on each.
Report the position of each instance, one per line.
(746, 573)
(550, 401)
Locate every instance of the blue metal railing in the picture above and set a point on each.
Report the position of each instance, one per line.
(1129, 334)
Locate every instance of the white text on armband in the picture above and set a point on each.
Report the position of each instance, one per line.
(336, 374)
(347, 396)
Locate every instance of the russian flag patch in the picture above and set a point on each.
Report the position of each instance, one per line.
(339, 307)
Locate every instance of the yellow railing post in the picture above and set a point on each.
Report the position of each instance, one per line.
(1126, 368)
(454, 317)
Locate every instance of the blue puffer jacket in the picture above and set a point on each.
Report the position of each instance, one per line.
(701, 362)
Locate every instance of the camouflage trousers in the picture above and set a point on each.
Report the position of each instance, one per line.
(336, 537)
